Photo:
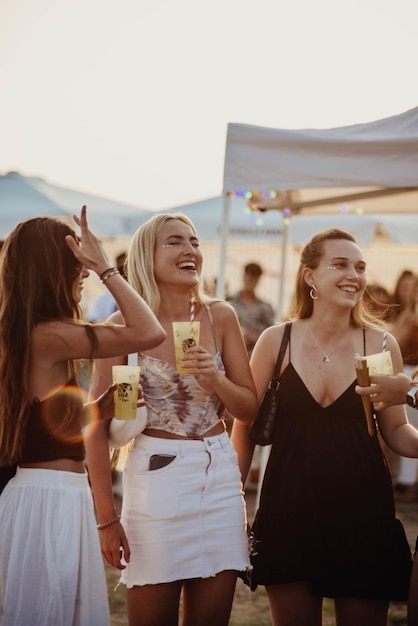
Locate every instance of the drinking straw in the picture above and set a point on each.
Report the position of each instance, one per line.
(192, 310)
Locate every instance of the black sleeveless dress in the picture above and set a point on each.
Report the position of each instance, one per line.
(327, 513)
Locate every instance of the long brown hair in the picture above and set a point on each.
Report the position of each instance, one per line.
(310, 258)
(37, 274)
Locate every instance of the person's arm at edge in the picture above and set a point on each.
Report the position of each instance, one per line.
(397, 432)
(236, 389)
(112, 539)
(244, 447)
(263, 360)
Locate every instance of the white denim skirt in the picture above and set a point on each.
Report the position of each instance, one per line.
(186, 519)
(51, 568)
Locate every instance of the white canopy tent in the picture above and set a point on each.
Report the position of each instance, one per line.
(299, 171)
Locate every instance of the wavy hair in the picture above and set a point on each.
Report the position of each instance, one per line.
(140, 260)
(37, 274)
(310, 258)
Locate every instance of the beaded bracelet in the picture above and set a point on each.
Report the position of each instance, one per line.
(111, 271)
(109, 523)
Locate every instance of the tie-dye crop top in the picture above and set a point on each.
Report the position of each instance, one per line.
(176, 403)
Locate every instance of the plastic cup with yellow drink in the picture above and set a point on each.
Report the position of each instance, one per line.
(185, 335)
(126, 394)
(379, 364)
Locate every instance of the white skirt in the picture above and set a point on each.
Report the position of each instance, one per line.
(185, 520)
(51, 568)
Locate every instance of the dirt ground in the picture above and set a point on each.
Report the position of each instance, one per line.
(251, 608)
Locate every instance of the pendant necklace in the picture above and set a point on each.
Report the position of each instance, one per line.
(326, 358)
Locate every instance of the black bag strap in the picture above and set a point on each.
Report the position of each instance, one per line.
(274, 383)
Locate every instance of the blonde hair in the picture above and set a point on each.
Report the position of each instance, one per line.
(310, 258)
(140, 260)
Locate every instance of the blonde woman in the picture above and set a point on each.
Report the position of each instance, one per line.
(183, 508)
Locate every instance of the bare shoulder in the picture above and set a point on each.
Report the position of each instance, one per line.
(269, 341)
(222, 311)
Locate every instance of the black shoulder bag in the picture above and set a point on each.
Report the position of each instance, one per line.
(261, 431)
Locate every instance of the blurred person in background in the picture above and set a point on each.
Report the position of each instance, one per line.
(401, 292)
(379, 301)
(405, 329)
(254, 314)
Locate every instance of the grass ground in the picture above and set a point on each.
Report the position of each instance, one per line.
(251, 608)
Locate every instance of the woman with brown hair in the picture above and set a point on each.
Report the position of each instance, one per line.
(326, 524)
(51, 570)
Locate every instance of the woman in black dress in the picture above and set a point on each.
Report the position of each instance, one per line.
(326, 524)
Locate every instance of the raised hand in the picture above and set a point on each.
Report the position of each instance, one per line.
(88, 249)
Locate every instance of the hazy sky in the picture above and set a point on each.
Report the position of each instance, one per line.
(130, 99)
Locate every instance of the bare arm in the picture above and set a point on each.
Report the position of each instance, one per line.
(236, 388)
(263, 361)
(243, 446)
(394, 427)
(138, 329)
(112, 539)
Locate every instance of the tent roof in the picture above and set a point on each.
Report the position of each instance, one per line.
(247, 225)
(244, 224)
(359, 159)
(22, 197)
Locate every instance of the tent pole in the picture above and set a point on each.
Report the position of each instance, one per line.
(220, 284)
(282, 269)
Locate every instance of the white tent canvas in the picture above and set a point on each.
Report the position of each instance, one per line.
(328, 170)
(381, 154)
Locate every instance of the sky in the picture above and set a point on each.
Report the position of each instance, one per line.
(130, 99)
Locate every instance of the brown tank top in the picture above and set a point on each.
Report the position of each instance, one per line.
(54, 427)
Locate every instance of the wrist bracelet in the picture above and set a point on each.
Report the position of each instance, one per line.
(109, 523)
(108, 273)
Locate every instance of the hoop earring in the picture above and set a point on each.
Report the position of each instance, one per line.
(312, 293)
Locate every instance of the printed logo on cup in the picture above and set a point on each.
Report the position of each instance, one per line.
(124, 390)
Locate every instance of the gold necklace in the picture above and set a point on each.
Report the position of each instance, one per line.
(326, 358)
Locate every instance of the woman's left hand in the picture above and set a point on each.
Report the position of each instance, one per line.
(386, 391)
(100, 409)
